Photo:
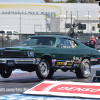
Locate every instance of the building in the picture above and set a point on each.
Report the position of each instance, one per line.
(63, 24)
(30, 18)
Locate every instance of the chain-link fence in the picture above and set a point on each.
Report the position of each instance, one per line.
(27, 25)
(23, 24)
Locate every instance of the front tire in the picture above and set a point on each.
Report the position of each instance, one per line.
(6, 72)
(84, 70)
(44, 71)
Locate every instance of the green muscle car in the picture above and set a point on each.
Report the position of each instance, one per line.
(47, 53)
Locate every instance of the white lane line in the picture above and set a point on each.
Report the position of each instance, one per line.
(95, 66)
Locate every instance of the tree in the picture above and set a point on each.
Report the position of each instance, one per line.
(48, 1)
(88, 1)
(60, 1)
(71, 1)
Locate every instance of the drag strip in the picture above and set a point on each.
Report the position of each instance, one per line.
(20, 81)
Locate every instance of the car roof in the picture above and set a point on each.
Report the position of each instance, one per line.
(59, 36)
(56, 36)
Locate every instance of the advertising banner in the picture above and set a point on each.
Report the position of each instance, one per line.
(66, 89)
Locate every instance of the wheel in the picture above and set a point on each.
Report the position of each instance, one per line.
(43, 70)
(84, 70)
(6, 72)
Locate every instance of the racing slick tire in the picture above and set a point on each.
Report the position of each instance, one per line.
(84, 70)
(6, 72)
(43, 70)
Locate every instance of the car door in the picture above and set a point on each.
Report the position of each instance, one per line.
(66, 51)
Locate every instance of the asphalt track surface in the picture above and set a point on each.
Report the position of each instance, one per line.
(20, 82)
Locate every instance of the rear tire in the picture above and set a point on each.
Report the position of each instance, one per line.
(44, 71)
(84, 70)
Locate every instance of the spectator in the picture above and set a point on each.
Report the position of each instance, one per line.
(92, 42)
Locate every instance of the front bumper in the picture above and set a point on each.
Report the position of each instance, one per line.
(14, 61)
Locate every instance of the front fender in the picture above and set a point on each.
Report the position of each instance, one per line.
(46, 55)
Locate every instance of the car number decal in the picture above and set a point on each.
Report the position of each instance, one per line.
(60, 63)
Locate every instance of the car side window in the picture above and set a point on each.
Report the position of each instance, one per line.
(66, 43)
(73, 44)
(63, 43)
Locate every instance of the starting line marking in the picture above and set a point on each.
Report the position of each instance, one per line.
(66, 89)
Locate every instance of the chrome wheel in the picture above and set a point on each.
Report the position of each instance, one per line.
(44, 69)
(86, 68)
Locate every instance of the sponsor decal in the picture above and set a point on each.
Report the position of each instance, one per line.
(78, 65)
(80, 58)
(94, 59)
(72, 60)
(53, 64)
(66, 62)
(76, 62)
(53, 60)
(37, 60)
(70, 89)
(75, 58)
(70, 64)
(62, 66)
(79, 61)
(60, 63)
(75, 65)
(56, 66)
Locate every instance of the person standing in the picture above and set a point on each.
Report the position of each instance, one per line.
(92, 42)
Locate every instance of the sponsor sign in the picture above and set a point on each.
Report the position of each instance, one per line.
(50, 10)
(32, 97)
(67, 89)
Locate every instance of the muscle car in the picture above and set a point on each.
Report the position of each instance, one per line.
(45, 54)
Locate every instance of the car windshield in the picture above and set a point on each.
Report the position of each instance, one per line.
(39, 41)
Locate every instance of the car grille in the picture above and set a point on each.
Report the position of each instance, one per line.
(12, 53)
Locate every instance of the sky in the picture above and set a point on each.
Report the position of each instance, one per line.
(30, 1)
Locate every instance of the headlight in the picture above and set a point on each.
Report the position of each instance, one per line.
(30, 53)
